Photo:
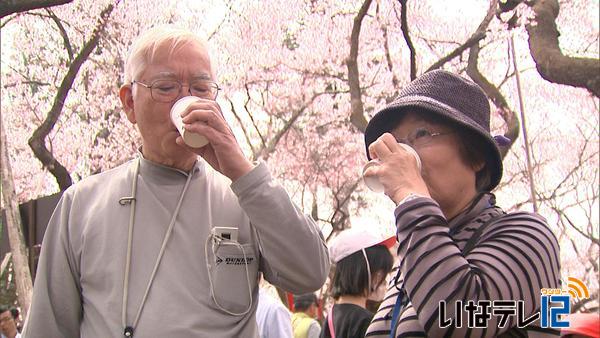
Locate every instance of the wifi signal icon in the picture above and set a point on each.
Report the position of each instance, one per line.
(577, 289)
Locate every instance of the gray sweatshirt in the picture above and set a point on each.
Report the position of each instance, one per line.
(78, 291)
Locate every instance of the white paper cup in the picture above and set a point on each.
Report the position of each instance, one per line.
(372, 182)
(193, 140)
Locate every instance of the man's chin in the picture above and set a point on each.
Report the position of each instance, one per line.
(178, 150)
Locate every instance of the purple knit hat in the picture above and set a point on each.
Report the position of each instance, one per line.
(451, 97)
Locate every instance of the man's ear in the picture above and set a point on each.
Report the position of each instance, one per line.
(126, 96)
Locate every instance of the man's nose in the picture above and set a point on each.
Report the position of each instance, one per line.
(186, 90)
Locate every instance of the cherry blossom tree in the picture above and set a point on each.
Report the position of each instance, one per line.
(302, 78)
(18, 252)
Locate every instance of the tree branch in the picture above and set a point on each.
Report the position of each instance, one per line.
(550, 61)
(388, 57)
(63, 33)
(37, 141)
(246, 134)
(474, 39)
(508, 115)
(8, 7)
(409, 43)
(262, 139)
(265, 151)
(339, 223)
(574, 226)
(2, 24)
(357, 116)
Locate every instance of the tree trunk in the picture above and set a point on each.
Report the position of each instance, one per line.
(550, 61)
(13, 227)
(37, 141)
(357, 116)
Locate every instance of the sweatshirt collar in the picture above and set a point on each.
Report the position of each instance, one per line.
(162, 174)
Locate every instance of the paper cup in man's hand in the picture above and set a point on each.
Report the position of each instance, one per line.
(193, 140)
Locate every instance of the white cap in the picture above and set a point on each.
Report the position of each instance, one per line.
(354, 239)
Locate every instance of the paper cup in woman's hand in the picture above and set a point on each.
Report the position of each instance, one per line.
(372, 182)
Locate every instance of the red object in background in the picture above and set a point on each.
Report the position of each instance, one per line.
(320, 307)
(389, 242)
(587, 324)
(290, 300)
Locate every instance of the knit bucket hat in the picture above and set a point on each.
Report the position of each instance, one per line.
(450, 97)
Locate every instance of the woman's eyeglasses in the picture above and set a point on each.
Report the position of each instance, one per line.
(420, 137)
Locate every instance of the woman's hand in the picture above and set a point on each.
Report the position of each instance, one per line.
(397, 170)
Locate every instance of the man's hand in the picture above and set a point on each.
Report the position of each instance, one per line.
(222, 152)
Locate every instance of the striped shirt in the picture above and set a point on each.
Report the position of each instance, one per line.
(513, 259)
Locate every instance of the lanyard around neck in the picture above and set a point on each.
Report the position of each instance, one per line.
(129, 329)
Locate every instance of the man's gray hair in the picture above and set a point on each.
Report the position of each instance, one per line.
(142, 51)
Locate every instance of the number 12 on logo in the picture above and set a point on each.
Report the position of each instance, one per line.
(554, 311)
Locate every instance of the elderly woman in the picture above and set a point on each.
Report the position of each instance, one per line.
(455, 244)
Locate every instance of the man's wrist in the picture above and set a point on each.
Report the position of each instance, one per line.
(240, 170)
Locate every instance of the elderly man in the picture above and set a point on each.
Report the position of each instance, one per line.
(171, 244)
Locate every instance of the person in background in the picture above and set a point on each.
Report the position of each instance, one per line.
(17, 316)
(172, 243)
(306, 309)
(8, 324)
(362, 263)
(273, 318)
(455, 245)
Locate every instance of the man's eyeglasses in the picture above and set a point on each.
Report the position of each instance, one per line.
(169, 90)
(420, 137)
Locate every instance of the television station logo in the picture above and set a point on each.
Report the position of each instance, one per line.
(555, 306)
(550, 315)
